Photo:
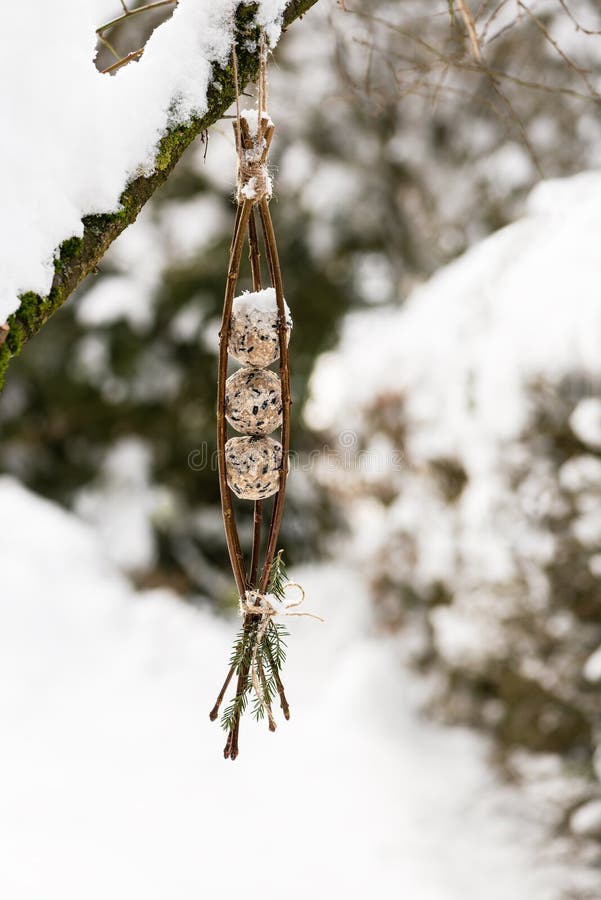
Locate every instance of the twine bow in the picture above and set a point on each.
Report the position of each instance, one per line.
(267, 606)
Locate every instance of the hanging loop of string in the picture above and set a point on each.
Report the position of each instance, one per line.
(254, 132)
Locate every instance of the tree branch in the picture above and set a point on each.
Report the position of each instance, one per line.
(77, 257)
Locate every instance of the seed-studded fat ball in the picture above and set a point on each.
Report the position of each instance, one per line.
(254, 334)
(253, 401)
(253, 466)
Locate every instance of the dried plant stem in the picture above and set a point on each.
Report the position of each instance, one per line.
(215, 711)
(135, 54)
(280, 687)
(127, 14)
(230, 751)
(589, 31)
(256, 544)
(470, 26)
(582, 73)
(270, 719)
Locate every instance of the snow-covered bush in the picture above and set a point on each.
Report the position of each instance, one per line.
(483, 533)
(428, 150)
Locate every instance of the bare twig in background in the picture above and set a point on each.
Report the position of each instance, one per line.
(582, 73)
(134, 55)
(467, 105)
(491, 20)
(109, 46)
(470, 26)
(589, 31)
(124, 58)
(128, 13)
(430, 56)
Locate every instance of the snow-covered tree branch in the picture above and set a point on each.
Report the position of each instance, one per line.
(184, 118)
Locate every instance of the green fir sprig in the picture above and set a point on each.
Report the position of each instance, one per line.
(270, 655)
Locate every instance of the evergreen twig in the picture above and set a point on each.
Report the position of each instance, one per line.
(270, 656)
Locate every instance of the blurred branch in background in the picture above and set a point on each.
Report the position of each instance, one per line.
(479, 515)
(471, 104)
(155, 13)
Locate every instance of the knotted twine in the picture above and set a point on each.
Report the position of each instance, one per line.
(267, 606)
(252, 144)
(254, 182)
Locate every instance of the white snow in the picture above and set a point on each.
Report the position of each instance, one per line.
(592, 667)
(490, 304)
(257, 301)
(252, 118)
(586, 820)
(112, 779)
(586, 421)
(113, 298)
(523, 307)
(73, 137)
(122, 505)
(471, 375)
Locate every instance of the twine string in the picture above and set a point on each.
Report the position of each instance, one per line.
(262, 75)
(253, 180)
(267, 606)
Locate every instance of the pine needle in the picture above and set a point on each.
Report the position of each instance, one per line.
(270, 655)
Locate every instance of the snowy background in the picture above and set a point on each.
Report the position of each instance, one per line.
(440, 245)
(113, 780)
